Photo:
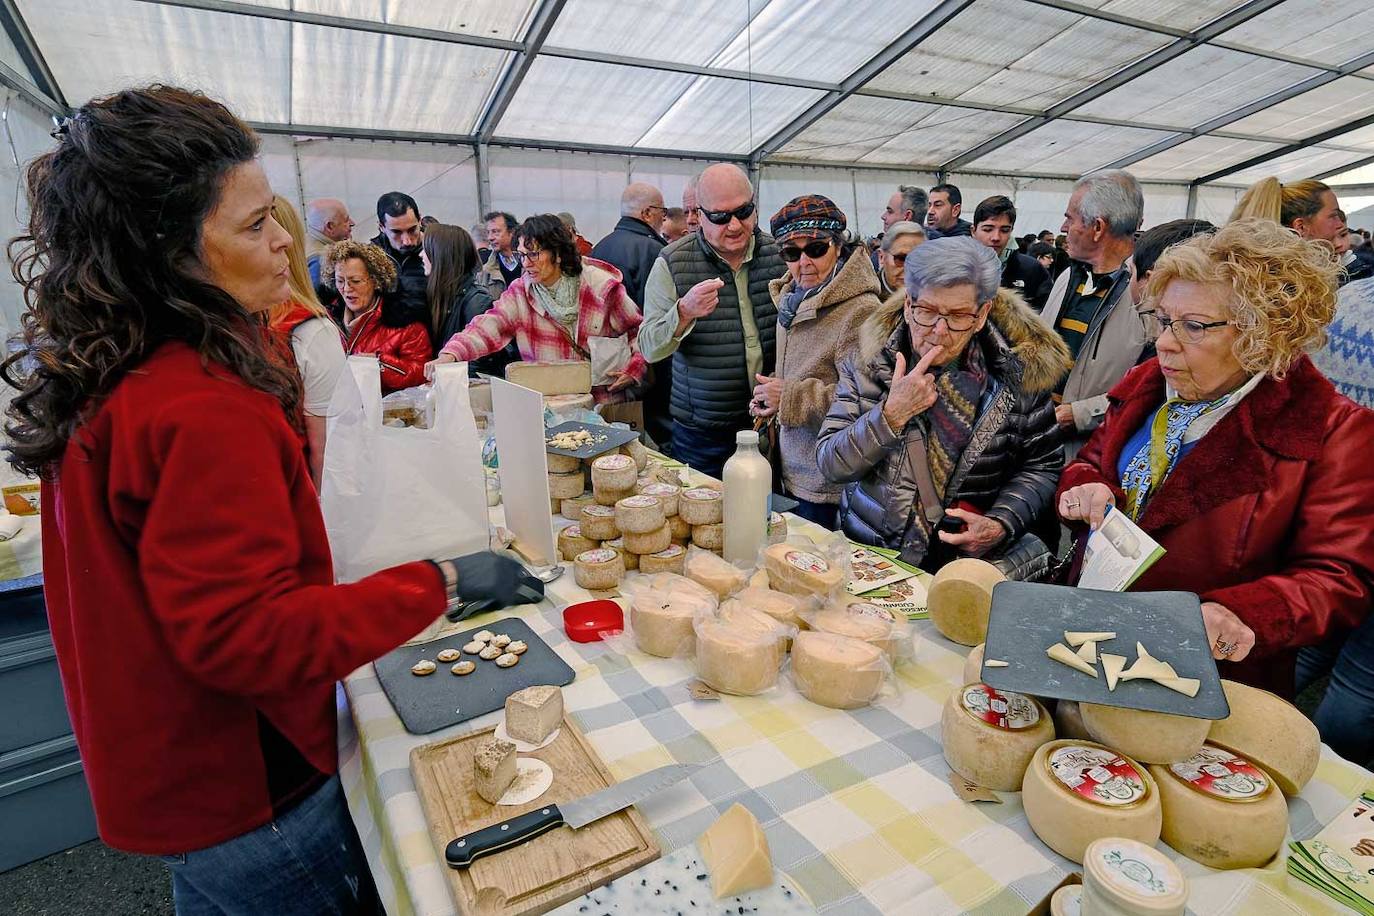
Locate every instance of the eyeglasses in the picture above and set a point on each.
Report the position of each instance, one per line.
(929, 318)
(529, 257)
(812, 250)
(723, 217)
(1186, 330)
(898, 258)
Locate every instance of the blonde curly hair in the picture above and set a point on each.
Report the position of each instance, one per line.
(1283, 288)
(379, 267)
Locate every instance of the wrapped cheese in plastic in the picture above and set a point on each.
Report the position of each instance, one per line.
(705, 568)
(838, 671)
(740, 651)
(663, 607)
(786, 609)
(859, 619)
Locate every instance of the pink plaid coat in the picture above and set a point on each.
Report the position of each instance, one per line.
(604, 311)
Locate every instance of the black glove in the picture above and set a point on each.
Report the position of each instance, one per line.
(495, 581)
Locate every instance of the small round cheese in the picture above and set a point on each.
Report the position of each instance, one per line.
(563, 464)
(861, 620)
(1123, 876)
(960, 597)
(989, 735)
(571, 509)
(681, 530)
(661, 538)
(662, 608)
(700, 506)
(800, 572)
(637, 452)
(598, 523)
(609, 496)
(639, 514)
(1269, 731)
(614, 472)
(566, 486)
(1075, 792)
(837, 671)
(666, 493)
(739, 654)
(571, 542)
(1221, 809)
(1149, 737)
(599, 569)
(709, 537)
(672, 560)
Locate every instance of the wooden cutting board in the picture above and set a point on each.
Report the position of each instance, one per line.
(549, 870)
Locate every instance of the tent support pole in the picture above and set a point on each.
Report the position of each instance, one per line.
(482, 153)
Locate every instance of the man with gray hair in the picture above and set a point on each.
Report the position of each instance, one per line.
(326, 222)
(689, 204)
(907, 204)
(1090, 304)
(633, 245)
(898, 241)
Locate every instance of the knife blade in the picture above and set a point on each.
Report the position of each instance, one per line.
(461, 852)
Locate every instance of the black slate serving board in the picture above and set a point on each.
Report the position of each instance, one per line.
(615, 437)
(1027, 618)
(427, 704)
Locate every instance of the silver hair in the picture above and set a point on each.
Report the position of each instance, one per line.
(916, 200)
(897, 230)
(951, 261)
(1113, 196)
(568, 220)
(636, 196)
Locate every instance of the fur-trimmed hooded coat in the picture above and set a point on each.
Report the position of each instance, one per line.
(1009, 469)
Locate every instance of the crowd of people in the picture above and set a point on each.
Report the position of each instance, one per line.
(946, 389)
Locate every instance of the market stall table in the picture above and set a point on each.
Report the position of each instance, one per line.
(855, 804)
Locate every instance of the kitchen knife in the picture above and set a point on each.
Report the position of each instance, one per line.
(579, 813)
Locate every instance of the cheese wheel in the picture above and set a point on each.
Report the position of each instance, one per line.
(989, 736)
(571, 542)
(960, 597)
(720, 577)
(739, 654)
(973, 665)
(648, 542)
(598, 523)
(566, 486)
(709, 537)
(631, 561)
(1075, 792)
(1270, 732)
(662, 609)
(607, 496)
(862, 620)
(614, 472)
(598, 569)
(777, 528)
(682, 531)
(1123, 877)
(552, 376)
(671, 560)
(1149, 737)
(1068, 720)
(701, 506)
(667, 496)
(571, 509)
(800, 572)
(1221, 810)
(563, 464)
(639, 515)
(837, 671)
(555, 504)
(784, 608)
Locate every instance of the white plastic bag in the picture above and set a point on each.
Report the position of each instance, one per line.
(610, 356)
(391, 495)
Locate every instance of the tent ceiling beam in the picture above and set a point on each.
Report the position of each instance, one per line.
(31, 93)
(1151, 61)
(1314, 140)
(29, 53)
(928, 24)
(544, 18)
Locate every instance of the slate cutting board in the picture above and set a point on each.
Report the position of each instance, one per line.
(612, 438)
(427, 704)
(1027, 618)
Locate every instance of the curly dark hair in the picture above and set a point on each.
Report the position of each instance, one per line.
(548, 233)
(110, 263)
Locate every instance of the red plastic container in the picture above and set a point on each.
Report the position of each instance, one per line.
(588, 621)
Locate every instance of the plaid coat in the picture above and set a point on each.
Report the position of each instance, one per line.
(604, 311)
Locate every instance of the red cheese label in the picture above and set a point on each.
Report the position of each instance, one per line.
(1099, 775)
(1221, 774)
(1003, 709)
(864, 609)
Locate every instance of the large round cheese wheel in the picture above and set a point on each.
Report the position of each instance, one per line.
(1076, 792)
(1271, 732)
(973, 665)
(960, 597)
(989, 735)
(782, 607)
(1221, 810)
(739, 654)
(662, 609)
(837, 671)
(661, 538)
(571, 509)
(861, 620)
(1149, 737)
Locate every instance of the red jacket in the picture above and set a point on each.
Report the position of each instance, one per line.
(1268, 514)
(402, 351)
(189, 589)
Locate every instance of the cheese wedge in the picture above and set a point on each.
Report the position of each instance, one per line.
(1112, 666)
(735, 852)
(1188, 686)
(1078, 638)
(1063, 654)
(1088, 652)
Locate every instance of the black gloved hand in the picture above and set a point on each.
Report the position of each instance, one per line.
(495, 580)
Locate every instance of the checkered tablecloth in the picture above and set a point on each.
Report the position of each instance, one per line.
(856, 805)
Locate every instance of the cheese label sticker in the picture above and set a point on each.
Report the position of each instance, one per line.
(1099, 775)
(613, 462)
(1221, 774)
(599, 555)
(658, 489)
(640, 502)
(573, 531)
(864, 609)
(1001, 708)
(1139, 870)
(807, 562)
(603, 511)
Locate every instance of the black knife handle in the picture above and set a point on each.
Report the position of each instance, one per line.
(461, 852)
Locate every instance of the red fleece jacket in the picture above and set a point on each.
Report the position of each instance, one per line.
(189, 589)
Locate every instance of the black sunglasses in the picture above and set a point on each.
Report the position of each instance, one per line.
(813, 250)
(723, 217)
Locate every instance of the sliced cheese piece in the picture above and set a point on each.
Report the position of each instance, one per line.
(1112, 666)
(960, 598)
(735, 852)
(1076, 792)
(1064, 655)
(599, 569)
(1078, 638)
(777, 528)
(722, 578)
(1188, 686)
(800, 572)
(552, 377)
(739, 653)
(1150, 737)
(1271, 732)
(837, 671)
(493, 765)
(1148, 668)
(1088, 652)
(996, 663)
(989, 736)
(532, 714)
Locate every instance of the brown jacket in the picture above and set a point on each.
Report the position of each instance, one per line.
(824, 333)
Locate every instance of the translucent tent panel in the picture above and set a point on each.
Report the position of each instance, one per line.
(1362, 175)
(1325, 30)
(346, 78)
(1174, 95)
(485, 18)
(1197, 157)
(654, 28)
(1312, 112)
(96, 46)
(1011, 52)
(861, 194)
(1178, 14)
(1301, 164)
(1067, 147)
(1360, 139)
(1215, 203)
(869, 129)
(28, 129)
(727, 116)
(9, 55)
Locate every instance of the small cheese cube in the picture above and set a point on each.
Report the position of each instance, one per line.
(735, 851)
(533, 713)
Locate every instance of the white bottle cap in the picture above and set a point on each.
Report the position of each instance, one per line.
(747, 437)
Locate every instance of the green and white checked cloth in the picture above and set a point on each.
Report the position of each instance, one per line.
(855, 804)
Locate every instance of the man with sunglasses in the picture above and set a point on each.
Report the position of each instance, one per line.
(707, 305)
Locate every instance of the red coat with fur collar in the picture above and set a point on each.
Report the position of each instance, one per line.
(1269, 514)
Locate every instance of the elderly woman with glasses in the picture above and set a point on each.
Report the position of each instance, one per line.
(554, 309)
(1234, 453)
(942, 431)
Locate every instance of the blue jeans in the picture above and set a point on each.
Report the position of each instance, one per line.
(1345, 717)
(308, 862)
(704, 450)
(824, 514)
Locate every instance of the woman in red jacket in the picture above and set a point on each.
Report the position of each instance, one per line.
(188, 579)
(1234, 453)
(365, 279)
